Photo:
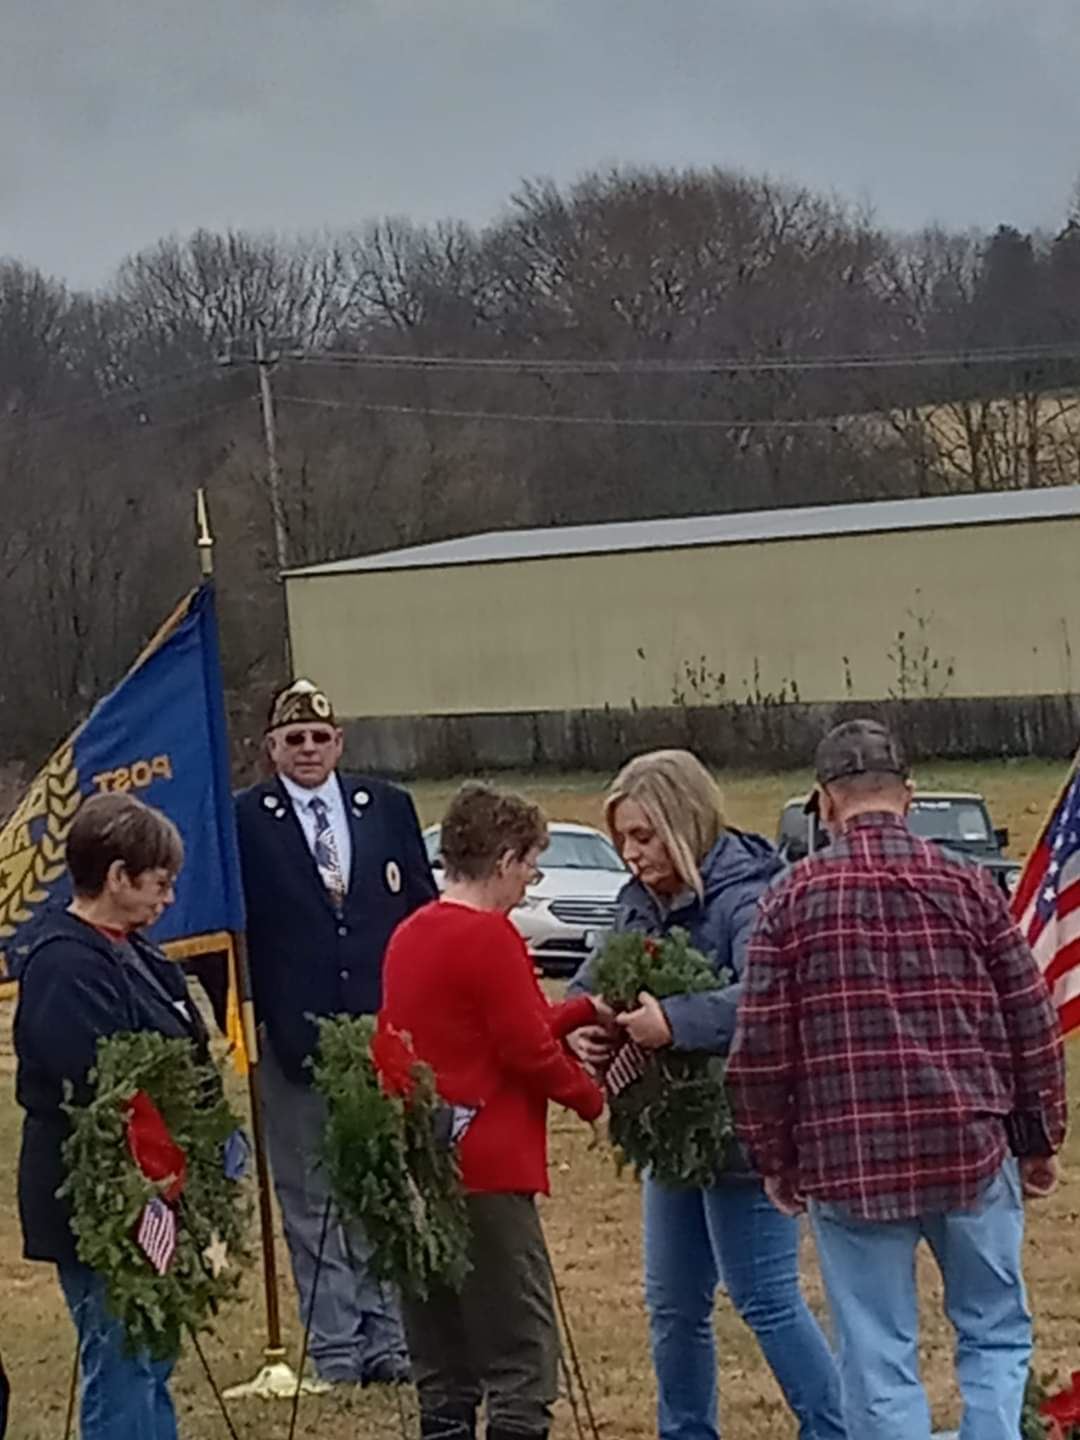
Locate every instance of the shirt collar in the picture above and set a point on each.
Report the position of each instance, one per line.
(671, 904)
(301, 797)
(875, 820)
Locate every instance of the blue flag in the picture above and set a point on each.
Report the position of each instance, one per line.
(160, 735)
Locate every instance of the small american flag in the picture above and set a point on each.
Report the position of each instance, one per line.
(1046, 904)
(156, 1235)
(629, 1064)
(461, 1118)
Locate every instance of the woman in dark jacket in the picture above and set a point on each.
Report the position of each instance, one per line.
(691, 871)
(89, 974)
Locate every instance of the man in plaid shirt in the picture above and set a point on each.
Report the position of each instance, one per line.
(898, 1067)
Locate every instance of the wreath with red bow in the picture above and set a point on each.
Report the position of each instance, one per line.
(1051, 1416)
(669, 1112)
(388, 1151)
(153, 1164)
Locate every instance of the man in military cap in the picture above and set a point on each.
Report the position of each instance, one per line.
(331, 863)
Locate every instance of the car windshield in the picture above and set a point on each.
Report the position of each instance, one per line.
(950, 821)
(956, 822)
(795, 828)
(571, 850)
(568, 850)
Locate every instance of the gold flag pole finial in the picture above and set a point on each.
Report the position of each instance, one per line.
(203, 538)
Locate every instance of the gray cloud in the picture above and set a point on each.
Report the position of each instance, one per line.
(125, 121)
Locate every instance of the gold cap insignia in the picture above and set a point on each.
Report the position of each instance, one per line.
(298, 704)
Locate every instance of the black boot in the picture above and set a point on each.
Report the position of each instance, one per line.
(448, 1422)
(496, 1432)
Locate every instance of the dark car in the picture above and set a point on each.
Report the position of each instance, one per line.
(959, 823)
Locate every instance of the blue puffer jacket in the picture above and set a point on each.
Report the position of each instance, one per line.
(735, 872)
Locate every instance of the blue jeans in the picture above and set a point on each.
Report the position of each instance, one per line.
(869, 1273)
(124, 1397)
(730, 1232)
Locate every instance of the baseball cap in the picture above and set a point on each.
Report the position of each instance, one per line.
(859, 747)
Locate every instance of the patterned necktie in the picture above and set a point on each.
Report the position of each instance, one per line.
(326, 851)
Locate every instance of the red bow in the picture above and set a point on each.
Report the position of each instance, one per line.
(152, 1148)
(394, 1060)
(1063, 1409)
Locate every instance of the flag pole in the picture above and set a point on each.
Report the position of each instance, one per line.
(276, 1379)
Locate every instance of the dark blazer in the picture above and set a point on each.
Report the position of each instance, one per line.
(75, 988)
(309, 958)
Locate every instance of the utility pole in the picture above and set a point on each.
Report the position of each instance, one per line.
(263, 363)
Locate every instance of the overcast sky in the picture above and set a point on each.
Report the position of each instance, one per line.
(125, 120)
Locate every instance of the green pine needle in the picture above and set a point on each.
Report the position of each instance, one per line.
(108, 1192)
(387, 1172)
(674, 1123)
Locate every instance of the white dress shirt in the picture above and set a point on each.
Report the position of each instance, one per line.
(330, 792)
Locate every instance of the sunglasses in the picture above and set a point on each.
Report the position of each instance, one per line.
(295, 738)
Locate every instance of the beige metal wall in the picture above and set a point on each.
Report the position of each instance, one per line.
(999, 603)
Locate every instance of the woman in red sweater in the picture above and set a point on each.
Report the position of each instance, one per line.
(458, 980)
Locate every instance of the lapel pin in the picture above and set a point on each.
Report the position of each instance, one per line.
(361, 800)
(393, 877)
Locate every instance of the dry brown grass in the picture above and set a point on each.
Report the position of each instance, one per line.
(592, 1224)
(1019, 793)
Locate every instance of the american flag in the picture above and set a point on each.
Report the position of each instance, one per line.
(629, 1064)
(1046, 904)
(156, 1235)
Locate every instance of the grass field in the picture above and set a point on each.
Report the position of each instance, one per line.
(592, 1225)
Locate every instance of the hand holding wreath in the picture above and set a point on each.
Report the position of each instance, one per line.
(669, 1110)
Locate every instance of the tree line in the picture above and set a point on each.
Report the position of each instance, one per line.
(638, 343)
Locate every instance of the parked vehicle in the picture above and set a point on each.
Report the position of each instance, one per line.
(572, 905)
(959, 822)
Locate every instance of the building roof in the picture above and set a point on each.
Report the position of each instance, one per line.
(869, 517)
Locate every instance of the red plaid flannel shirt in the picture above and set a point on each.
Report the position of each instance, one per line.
(891, 1017)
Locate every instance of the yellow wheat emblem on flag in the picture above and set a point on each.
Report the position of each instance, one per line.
(32, 842)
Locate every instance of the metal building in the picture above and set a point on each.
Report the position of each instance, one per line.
(967, 596)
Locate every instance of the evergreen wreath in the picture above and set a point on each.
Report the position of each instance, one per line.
(1051, 1416)
(674, 1120)
(389, 1159)
(108, 1192)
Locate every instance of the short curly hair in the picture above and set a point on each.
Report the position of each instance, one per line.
(117, 826)
(482, 824)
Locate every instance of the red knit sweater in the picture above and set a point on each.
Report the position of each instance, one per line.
(460, 983)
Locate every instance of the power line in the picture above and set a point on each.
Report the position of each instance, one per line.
(186, 379)
(117, 400)
(926, 359)
(517, 417)
(147, 432)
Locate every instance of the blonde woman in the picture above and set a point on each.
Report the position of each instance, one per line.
(693, 871)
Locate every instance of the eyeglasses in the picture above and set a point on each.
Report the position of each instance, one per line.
(536, 876)
(295, 738)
